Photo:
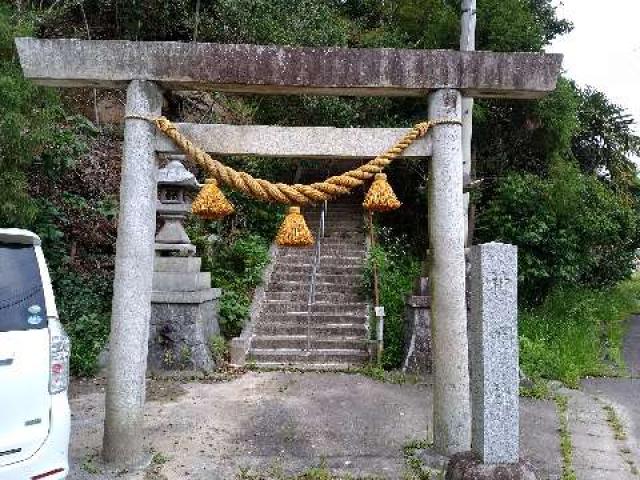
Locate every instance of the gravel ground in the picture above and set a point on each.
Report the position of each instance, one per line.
(282, 422)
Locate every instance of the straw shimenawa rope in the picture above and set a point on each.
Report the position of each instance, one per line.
(292, 194)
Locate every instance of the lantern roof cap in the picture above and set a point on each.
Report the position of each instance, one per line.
(174, 173)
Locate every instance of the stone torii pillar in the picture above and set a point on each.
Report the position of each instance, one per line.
(442, 75)
(131, 309)
(450, 353)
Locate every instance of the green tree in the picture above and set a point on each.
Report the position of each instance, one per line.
(604, 140)
(24, 108)
(571, 229)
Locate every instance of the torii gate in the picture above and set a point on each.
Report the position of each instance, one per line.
(146, 69)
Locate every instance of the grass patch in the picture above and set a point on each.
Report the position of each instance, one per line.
(379, 374)
(90, 464)
(415, 467)
(159, 458)
(321, 472)
(577, 332)
(539, 390)
(615, 422)
(566, 447)
(397, 270)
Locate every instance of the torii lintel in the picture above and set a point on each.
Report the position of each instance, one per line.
(286, 70)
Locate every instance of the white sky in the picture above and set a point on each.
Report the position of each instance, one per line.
(603, 50)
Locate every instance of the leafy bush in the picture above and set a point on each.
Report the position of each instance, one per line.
(396, 272)
(236, 266)
(571, 229)
(85, 310)
(577, 332)
(219, 349)
(33, 128)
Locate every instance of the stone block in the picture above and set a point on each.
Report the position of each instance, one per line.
(180, 334)
(417, 341)
(181, 282)
(493, 347)
(468, 466)
(238, 350)
(198, 296)
(184, 316)
(177, 264)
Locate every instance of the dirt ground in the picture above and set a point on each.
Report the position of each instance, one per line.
(282, 423)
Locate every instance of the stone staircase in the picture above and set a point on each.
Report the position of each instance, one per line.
(334, 335)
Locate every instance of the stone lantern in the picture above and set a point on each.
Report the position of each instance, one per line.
(184, 307)
(176, 188)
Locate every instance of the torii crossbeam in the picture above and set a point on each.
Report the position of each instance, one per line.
(148, 68)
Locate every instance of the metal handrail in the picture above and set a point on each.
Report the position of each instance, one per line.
(314, 272)
(376, 295)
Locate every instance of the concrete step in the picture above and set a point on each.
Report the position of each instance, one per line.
(325, 252)
(296, 355)
(341, 242)
(347, 256)
(336, 263)
(300, 342)
(322, 297)
(357, 256)
(337, 218)
(278, 306)
(351, 255)
(333, 208)
(181, 282)
(321, 287)
(337, 215)
(317, 330)
(345, 224)
(338, 323)
(317, 318)
(355, 250)
(177, 264)
(303, 276)
(325, 268)
(344, 235)
(309, 367)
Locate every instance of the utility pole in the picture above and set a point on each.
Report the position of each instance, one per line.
(467, 44)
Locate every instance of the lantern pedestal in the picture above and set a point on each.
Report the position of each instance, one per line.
(184, 316)
(184, 307)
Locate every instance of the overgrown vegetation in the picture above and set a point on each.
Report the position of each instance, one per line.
(397, 271)
(236, 266)
(43, 176)
(577, 332)
(571, 229)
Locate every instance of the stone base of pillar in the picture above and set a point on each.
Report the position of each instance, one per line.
(184, 316)
(417, 341)
(467, 466)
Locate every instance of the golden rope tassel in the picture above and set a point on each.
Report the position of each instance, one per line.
(380, 197)
(211, 204)
(293, 231)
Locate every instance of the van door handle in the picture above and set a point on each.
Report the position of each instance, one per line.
(5, 362)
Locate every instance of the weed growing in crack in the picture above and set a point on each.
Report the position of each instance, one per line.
(566, 447)
(615, 422)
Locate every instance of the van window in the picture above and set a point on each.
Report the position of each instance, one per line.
(21, 295)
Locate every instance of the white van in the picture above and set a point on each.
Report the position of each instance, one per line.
(34, 365)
